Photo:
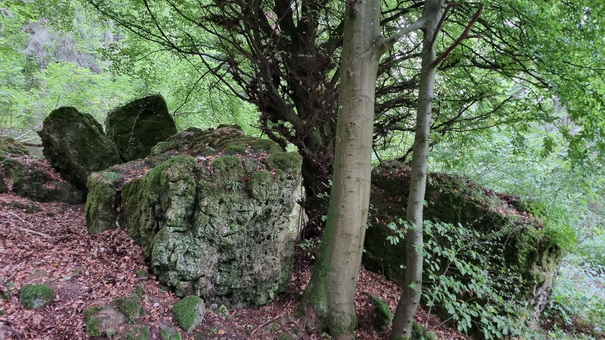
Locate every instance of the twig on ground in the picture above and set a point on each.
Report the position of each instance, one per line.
(272, 319)
(29, 230)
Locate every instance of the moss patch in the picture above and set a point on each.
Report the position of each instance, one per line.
(36, 296)
(189, 312)
(384, 316)
(137, 333)
(130, 306)
(285, 161)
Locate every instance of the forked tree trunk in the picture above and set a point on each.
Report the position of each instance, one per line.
(410, 298)
(330, 294)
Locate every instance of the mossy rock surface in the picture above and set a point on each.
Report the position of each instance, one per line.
(138, 126)
(76, 145)
(516, 238)
(384, 316)
(212, 222)
(103, 321)
(11, 148)
(36, 296)
(31, 182)
(130, 306)
(189, 312)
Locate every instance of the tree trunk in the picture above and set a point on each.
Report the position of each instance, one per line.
(330, 294)
(410, 298)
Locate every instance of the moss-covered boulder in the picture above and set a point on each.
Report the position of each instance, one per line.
(513, 242)
(36, 296)
(30, 181)
(189, 312)
(11, 148)
(138, 126)
(76, 145)
(211, 210)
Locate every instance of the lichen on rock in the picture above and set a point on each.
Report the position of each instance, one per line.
(212, 222)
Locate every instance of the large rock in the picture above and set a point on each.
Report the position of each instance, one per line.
(138, 126)
(30, 178)
(76, 145)
(11, 148)
(512, 240)
(211, 210)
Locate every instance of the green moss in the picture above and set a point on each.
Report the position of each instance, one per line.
(130, 306)
(169, 334)
(36, 296)
(138, 290)
(284, 336)
(93, 323)
(138, 333)
(235, 147)
(27, 207)
(223, 312)
(384, 316)
(10, 147)
(285, 161)
(421, 333)
(189, 312)
(141, 273)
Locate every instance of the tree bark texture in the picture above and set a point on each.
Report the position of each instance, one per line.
(410, 298)
(331, 291)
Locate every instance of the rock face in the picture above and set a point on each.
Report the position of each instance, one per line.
(515, 239)
(76, 145)
(138, 126)
(211, 210)
(28, 177)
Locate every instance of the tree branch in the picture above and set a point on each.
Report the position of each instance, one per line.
(462, 36)
(387, 43)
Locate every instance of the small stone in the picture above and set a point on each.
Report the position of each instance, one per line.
(189, 312)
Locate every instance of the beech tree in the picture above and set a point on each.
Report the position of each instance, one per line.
(284, 57)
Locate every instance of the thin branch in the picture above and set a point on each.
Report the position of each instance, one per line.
(387, 43)
(462, 36)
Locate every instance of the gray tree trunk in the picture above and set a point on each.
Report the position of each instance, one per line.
(330, 295)
(410, 298)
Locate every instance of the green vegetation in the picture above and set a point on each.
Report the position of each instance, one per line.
(189, 312)
(137, 333)
(518, 109)
(130, 306)
(92, 321)
(384, 316)
(36, 296)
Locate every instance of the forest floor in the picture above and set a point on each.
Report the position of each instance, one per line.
(48, 243)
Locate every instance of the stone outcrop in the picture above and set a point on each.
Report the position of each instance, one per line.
(28, 178)
(76, 145)
(138, 126)
(514, 239)
(211, 210)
